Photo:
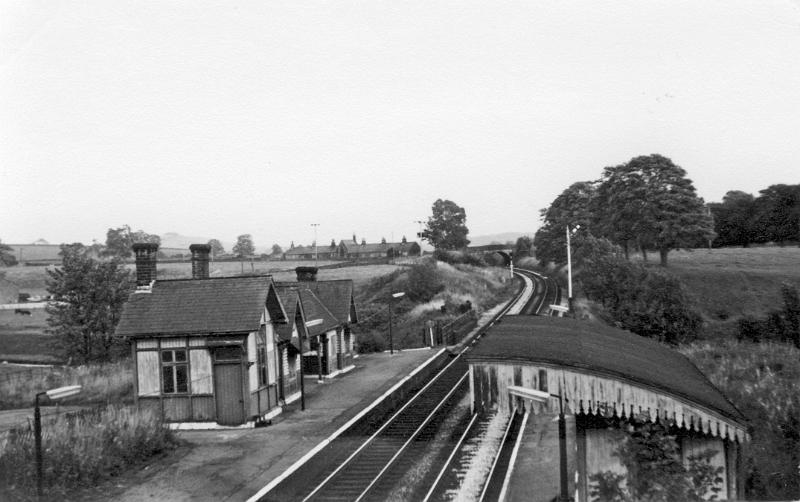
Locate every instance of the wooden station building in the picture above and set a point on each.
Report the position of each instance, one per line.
(608, 379)
(226, 350)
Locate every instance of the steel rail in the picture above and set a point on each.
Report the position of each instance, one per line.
(413, 436)
(497, 455)
(450, 458)
(369, 441)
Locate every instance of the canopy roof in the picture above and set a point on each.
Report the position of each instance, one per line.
(614, 355)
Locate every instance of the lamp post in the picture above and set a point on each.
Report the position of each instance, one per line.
(53, 394)
(309, 324)
(391, 319)
(543, 397)
(569, 267)
(316, 254)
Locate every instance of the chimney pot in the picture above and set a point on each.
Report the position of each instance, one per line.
(146, 258)
(200, 253)
(306, 274)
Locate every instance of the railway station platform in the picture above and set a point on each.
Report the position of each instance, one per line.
(233, 465)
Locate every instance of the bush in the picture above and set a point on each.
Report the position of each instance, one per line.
(423, 282)
(459, 257)
(779, 325)
(82, 449)
(370, 341)
(655, 471)
(761, 380)
(651, 304)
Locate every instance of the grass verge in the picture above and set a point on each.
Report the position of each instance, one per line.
(102, 383)
(80, 450)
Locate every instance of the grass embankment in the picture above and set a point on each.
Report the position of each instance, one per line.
(761, 380)
(101, 383)
(727, 284)
(434, 291)
(80, 450)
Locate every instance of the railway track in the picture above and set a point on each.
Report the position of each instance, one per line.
(372, 468)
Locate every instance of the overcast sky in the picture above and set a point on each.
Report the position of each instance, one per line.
(220, 118)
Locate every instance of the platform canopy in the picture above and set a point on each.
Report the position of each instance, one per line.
(605, 370)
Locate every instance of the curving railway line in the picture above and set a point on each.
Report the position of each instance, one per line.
(375, 465)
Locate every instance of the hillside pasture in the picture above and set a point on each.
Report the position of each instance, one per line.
(727, 283)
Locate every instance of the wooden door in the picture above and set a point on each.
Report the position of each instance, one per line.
(228, 393)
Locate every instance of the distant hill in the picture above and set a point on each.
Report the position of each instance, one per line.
(176, 240)
(502, 238)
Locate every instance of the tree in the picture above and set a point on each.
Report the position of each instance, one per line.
(89, 297)
(119, 241)
(277, 250)
(734, 219)
(778, 214)
(446, 227)
(7, 257)
(244, 246)
(523, 246)
(216, 248)
(573, 208)
(650, 201)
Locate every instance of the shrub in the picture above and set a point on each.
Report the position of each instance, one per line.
(655, 471)
(371, 341)
(779, 325)
(459, 257)
(651, 304)
(423, 282)
(81, 449)
(761, 380)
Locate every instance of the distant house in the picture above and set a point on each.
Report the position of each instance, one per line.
(329, 309)
(606, 379)
(365, 251)
(204, 349)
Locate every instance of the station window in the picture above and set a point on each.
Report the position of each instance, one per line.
(175, 371)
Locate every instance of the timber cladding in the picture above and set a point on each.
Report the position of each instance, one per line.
(184, 367)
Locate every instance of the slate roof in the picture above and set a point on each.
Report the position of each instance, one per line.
(290, 300)
(603, 350)
(188, 306)
(336, 295)
(315, 309)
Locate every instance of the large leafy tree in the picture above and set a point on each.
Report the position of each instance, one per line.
(244, 246)
(778, 217)
(216, 248)
(119, 241)
(573, 209)
(446, 227)
(89, 298)
(651, 202)
(734, 219)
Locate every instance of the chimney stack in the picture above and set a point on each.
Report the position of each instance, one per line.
(200, 254)
(145, 253)
(306, 274)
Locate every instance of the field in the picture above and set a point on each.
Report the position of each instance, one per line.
(735, 281)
